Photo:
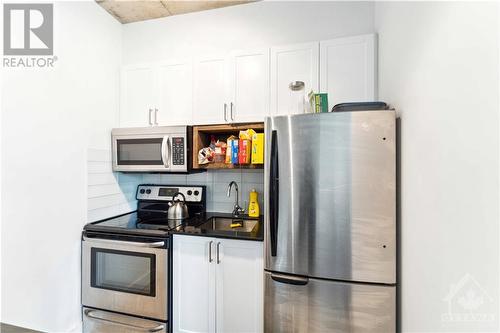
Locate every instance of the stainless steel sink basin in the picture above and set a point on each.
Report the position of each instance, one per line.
(224, 224)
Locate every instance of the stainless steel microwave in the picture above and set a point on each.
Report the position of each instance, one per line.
(152, 149)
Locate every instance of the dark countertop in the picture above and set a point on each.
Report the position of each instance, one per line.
(194, 227)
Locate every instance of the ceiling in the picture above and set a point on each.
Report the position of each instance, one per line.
(127, 11)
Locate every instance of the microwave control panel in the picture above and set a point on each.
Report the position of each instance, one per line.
(178, 148)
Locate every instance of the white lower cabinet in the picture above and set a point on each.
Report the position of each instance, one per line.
(239, 287)
(217, 285)
(193, 284)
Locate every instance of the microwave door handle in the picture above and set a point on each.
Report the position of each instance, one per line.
(125, 243)
(165, 147)
(88, 314)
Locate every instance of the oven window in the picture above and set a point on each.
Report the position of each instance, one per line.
(139, 151)
(131, 272)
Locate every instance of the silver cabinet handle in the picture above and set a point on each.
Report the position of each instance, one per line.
(165, 147)
(88, 314)
(218, 258)
(156, 116)
(149, 117)
(231, 110)
(210, 251)
(225, 111)
(114, 242)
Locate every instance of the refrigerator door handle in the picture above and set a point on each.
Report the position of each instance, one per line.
(274, 193)
(295, 280)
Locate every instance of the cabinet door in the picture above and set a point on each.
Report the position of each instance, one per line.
(193, 284)
(240, 292)
(136, 95)
(175, 93)
(299, 62)
(249, 85)
(348, 69)
(210, 91)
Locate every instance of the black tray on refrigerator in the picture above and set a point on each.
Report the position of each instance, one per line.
(360, 106)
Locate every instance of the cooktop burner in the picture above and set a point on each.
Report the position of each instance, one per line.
(151, 215)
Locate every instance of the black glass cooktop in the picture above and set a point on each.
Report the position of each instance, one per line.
(132, 224)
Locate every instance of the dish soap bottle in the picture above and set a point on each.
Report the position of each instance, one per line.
(253, 206)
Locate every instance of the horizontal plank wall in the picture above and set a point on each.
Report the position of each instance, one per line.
(108, 193)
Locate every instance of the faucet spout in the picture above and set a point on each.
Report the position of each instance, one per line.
(237, 210)
(230, 186)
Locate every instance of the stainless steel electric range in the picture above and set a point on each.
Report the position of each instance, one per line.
(126, 262)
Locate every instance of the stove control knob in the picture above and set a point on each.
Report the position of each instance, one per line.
(148, 191)
(189, 192)
(196, 193)
(142, 191)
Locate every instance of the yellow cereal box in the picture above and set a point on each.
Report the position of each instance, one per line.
(258, 148)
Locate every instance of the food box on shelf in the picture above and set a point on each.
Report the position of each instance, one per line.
(234, 151)
(258, 148)
(244, 151)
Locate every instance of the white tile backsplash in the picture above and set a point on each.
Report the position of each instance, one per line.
(173, 179)
(111, 194)
(226, 176)
(151, 178)
(253, 176)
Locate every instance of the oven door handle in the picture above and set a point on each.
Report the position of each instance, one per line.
(88, 314)
(165, 147)
(113, 242)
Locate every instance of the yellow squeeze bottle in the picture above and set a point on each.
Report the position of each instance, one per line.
(253, 206)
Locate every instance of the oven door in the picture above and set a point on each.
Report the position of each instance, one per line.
(125, 276)
(142, 153)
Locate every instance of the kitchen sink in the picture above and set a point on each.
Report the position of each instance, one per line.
(224, 224)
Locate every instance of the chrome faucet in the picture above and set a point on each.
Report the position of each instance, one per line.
(237, 210)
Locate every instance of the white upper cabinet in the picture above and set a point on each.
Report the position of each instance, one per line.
(136, 95)
(157, 94)
(249, 85)
(210, 93)
(174, 104)
(348, 69)
(289, 63)
(239, 290)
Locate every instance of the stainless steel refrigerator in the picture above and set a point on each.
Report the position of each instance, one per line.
(330, 223)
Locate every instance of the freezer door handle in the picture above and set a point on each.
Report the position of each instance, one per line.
(274, 194)
(295, 280)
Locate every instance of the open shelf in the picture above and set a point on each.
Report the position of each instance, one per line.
(203, 133)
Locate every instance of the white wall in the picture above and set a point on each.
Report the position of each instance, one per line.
(438, 65)
(49, 119)
(244, 26)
